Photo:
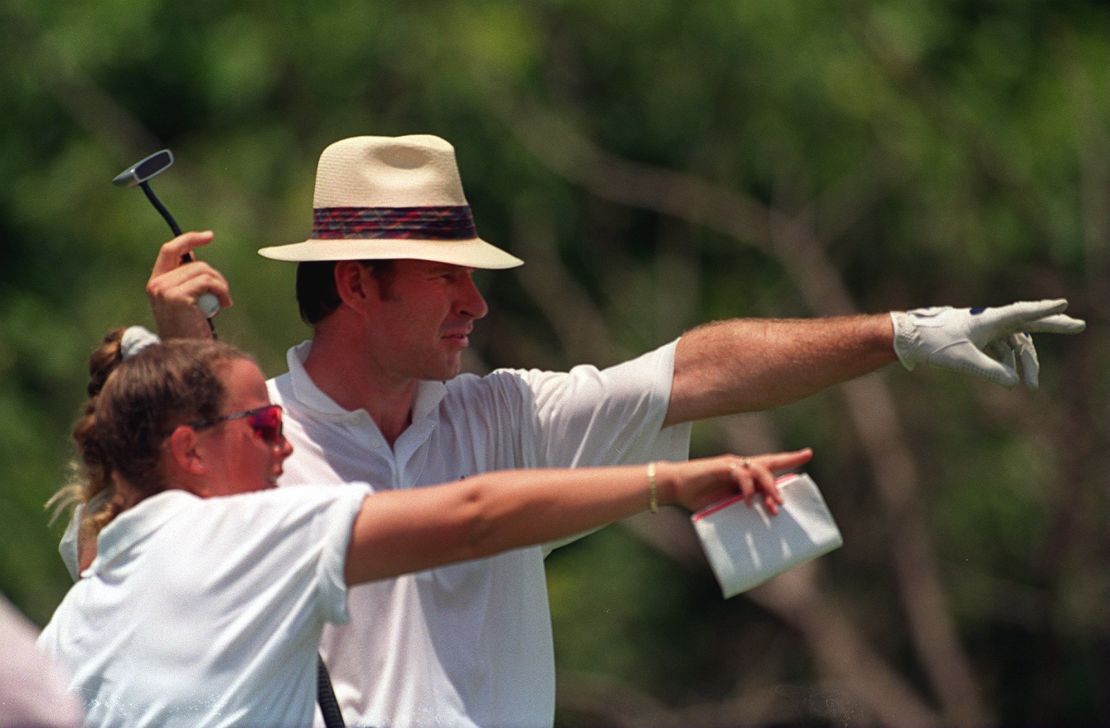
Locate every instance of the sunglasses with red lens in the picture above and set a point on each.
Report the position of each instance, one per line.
(265, 421)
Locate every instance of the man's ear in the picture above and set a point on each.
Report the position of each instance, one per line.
(352, 281)
(186, 454)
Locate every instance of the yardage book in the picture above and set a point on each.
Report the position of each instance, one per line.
(747, 546)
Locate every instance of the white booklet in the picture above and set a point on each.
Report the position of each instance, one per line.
(746, 546)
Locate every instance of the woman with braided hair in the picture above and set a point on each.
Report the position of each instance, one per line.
(205, 600)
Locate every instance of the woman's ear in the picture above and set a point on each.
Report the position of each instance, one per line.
(186, 455)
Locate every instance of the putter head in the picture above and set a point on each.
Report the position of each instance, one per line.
(141, 171)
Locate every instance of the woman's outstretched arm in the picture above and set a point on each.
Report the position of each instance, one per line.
(398, 532)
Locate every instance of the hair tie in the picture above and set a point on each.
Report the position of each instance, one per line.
(135, 339)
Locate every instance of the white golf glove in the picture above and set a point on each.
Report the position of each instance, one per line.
(992, 343)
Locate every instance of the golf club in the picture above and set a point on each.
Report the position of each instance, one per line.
(140, 174)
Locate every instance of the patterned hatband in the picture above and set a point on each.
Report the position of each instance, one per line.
(420, 223)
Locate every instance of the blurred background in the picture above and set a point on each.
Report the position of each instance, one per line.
(658, 165)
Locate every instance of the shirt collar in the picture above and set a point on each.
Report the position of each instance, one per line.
(428, 393)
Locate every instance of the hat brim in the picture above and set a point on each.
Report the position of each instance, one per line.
(472, 253)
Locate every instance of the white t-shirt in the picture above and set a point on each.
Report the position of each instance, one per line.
(207, 612)
(468, 644)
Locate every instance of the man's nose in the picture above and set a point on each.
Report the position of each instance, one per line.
(471, 302)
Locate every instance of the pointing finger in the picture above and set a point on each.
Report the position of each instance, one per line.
(784, 460)
(1015, 316)
(1057, 324)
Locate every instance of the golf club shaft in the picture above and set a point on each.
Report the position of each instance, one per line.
(187, 257)
(160, 208)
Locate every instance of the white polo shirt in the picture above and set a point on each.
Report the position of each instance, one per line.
(207, 612)
(468, 644)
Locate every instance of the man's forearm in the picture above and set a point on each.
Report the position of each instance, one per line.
(745, 365)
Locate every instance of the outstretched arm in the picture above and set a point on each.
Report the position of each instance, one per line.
(398, 532)
(754, 364)
(745, 365)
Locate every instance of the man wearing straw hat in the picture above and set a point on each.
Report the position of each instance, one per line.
(376, 396)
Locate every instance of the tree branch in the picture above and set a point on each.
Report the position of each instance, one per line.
(870, 404)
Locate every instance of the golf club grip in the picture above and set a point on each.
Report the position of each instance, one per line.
(212, 305)
(207, 302)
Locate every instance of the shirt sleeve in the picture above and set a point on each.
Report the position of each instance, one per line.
(596, 417)
(287, 545)
(613, 416)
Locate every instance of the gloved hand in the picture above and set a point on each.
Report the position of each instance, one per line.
(992, 343)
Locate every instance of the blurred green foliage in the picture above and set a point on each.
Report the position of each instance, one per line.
(658, 164)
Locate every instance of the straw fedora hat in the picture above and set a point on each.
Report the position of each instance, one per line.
(392, 197)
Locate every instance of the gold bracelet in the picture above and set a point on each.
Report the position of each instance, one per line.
(653, 489)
